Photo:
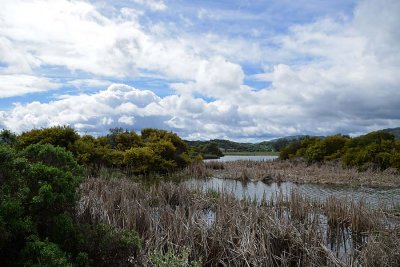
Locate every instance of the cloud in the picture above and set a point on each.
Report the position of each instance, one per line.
(152, 4)
(89, 83)
(17, 60)
(74, 34)
(125, 106)
(92, 113)
(341, 76)
(215, 78)
(17, 85)
(77, 36)
(335, 74)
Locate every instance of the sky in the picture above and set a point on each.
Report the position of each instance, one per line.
(239, 70)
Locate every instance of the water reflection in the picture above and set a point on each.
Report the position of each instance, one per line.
(257, 190)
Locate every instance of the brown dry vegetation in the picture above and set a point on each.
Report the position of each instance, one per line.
(295, 171)
(224, 231)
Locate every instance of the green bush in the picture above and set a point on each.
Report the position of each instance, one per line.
(37, 253)
(63, 136)
(297, 148)
(8, 138)
(141, 159)
(106, 246)
(212, 149)
(324, 149)
(377, 150)
(173, 258)
(56, 157)
(33, 191)
(123, 140)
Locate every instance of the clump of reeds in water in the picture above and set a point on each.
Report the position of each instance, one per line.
(221, 230)
(297, 171)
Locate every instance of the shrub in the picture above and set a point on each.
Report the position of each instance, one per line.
(38, 193)
(33, 192)
(212, 149)
(123, 140)
(110, 247)
(63, 136)
(376, 150)
(37, 253)
(8, 138)
(56, 157)
(141, 159)
(173, 258)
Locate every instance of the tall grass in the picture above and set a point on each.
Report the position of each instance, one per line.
(224, 231)
(295, 171)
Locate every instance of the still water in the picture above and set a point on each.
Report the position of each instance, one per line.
(258, 189)
(234, 158)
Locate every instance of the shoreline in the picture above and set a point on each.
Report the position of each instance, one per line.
(251, 153)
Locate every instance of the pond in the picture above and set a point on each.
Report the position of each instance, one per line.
(258, 189)
(237, 157)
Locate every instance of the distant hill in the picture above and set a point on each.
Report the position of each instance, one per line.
(265, 146)
(394, 131)
(226, 145)
(231, 146)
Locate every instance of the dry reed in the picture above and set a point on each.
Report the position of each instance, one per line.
(295, 171)
(224, 231)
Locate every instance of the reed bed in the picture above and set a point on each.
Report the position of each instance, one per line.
(224, 231)
(295, 171)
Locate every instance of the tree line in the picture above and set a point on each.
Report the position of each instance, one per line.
(376, 150)
(153, 151)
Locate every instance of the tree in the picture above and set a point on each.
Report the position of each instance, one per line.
(212, 148)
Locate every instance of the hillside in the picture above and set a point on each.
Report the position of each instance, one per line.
(394, 131)
(264, 146)
(231, 146)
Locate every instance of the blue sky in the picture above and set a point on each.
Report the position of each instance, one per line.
(243, 70)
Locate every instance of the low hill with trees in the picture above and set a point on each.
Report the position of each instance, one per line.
(227, 146)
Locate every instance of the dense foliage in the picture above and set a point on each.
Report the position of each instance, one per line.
(154, 151)
(38, 194)
(211, 150)
(376, 150)
(40, 173)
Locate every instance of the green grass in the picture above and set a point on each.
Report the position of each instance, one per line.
(244, 153)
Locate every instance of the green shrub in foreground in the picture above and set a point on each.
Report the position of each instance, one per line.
(173, 258)
(38, 194)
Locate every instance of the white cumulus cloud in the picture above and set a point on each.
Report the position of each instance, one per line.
(16, 85)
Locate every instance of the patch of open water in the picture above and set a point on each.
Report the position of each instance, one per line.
(258, 189)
